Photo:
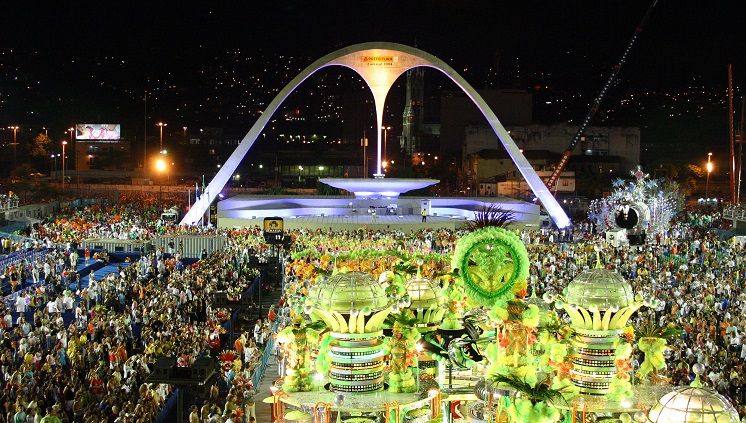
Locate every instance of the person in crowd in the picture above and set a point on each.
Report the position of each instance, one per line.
(259, 334)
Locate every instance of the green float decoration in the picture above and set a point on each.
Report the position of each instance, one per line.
(298, 340)
(492, 263)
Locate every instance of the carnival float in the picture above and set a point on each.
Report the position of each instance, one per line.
(383, 336)
(637, 209)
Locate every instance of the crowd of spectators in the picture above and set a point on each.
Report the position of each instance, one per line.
(86, 354)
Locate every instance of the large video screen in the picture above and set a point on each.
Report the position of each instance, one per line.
(97, 131)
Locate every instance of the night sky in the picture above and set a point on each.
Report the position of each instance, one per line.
(683, 39)
(685, 43)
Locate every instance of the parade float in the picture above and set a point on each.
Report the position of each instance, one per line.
(636, 211)
(494, 353)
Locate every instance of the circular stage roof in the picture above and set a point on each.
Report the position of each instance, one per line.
(378, 188)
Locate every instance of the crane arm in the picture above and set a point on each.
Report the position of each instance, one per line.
(552, 181)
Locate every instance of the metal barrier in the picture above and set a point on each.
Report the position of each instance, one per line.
(12, 227)
(18, 258)
(256, 377)
(190, 246)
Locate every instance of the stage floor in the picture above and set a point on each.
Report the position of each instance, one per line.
(345, 213)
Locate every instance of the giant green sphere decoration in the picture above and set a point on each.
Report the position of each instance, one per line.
(345, 291)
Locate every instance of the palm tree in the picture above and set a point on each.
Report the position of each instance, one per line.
(491, 215)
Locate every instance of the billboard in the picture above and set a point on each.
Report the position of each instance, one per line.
(273, 230)
(273, 225)
(97, 131)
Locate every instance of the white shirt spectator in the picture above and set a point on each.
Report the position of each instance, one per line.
(21, 304)
(69, 302)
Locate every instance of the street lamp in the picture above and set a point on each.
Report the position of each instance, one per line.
(161, 125)
(64, 143)
(15, 144)
(385, 132)
(364, 144)
(53, 165)
(160, 165)
(165, 159)
(75, 156)
(709, 170)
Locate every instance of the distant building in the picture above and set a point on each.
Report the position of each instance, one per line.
(612, 149)
(467, 139)
(605, 150)
(412, 120)
(512, 108)
(102, 155)
(494, 173)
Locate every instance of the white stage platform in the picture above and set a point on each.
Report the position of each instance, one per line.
(350, 213)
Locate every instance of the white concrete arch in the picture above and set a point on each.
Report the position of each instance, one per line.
(379, 64)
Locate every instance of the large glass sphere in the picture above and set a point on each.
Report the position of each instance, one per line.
(689, 404)
(601, 287)
(347, 291)
(423, 293)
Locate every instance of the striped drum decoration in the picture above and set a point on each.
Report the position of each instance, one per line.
(593, 360)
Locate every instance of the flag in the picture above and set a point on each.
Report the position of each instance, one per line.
(203, 184)
(196, 188)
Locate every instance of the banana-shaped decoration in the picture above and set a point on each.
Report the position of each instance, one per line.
(583, 319)
(586, 318)
(439, 314)
(330, 321)
(606, 320)
(622, 317)
(596, 319)
(575, 316)
(352, 326)
(614, 322)
(428, 315)
(376, 321)
(420, 316)
(431, 313)
(343, 328)
(360, 322)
